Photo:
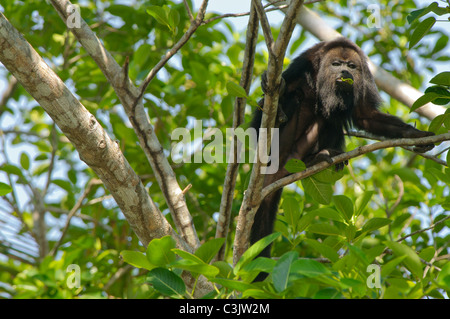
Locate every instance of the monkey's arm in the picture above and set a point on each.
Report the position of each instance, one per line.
(378, 123)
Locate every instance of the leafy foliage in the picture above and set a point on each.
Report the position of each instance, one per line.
(379, 229)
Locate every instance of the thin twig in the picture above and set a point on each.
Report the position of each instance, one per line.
(73, 212)
(188, 10)
(424, 229)
(367, 135)
(194, 25)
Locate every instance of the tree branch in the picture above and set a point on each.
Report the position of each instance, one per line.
(226, 202)
(72, 213)
(82, 129)
(131, 100)
(352, 154)
(367, 135)
(424, 229)
(194, 25)
(252, 196)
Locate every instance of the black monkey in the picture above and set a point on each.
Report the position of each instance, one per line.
(327, 88)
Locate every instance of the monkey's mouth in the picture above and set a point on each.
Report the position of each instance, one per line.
(345, 83)
(343, 80)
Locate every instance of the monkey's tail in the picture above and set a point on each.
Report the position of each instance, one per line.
(263, 225)
(265, 220)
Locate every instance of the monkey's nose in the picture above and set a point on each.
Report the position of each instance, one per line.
(346, 75)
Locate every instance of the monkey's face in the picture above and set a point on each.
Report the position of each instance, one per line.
(343, 67)
(339, 82)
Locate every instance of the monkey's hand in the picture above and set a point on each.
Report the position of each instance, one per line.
(265, 87)
(421, 148)
(326, 155)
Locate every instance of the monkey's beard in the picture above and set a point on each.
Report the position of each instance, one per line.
(334, 103)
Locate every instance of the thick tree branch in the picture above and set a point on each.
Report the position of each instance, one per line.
(92, 143)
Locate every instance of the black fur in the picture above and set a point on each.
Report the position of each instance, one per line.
(319, 105)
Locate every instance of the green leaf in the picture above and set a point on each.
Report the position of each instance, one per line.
(232, 284)
(442, 94)
(188, 256)
(412, 261)
(208, 250)
(159, 251)
(236, 90)
(427, 253)
(11, 169)
(260, 264)
(344, 205)
(225, 270)
(64, 184)
(375, 223)
(424, 99)
(358, 253)
(5, 189)
(443, 278)
(199, 71)
(414, 15)
(292, 211)
(304, 222)
(390, 266)
(24, 161)
(166, 282)
(280, 274)
(294, 166)
(437, 122)
(328, 293)
(325, 250)
(136, 259)
(328, 175)
(196, 267)
(161, 14)
(174, 19)
(254, 251)
(320, 192)
(324, 229)
(362, 201)
(40, 169)
(440, 45)
(442, 78)
(421, 30)
(309, 268)
(328, 213)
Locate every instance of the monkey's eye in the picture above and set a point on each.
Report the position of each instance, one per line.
(336, 63)
(352, 66)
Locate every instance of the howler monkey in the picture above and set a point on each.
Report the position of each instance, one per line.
(326, 89)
